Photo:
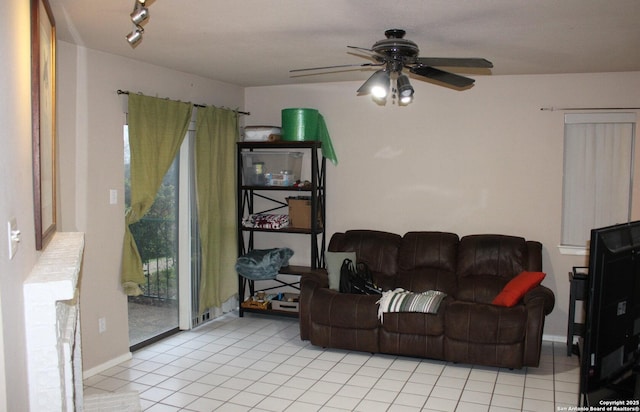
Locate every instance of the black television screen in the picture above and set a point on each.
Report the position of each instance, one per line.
(612, 325)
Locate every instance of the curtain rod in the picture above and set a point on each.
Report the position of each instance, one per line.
(196, 105)
(551, 109)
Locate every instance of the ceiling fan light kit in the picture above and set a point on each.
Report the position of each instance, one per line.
(395, 53)
(377, 85)
(405, 90)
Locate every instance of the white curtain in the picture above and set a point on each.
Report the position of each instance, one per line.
(598, 166)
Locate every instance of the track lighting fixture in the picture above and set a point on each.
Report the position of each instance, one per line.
(139, 15)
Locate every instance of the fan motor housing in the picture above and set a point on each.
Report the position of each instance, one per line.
(395, 46)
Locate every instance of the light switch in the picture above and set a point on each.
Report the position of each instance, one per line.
(13, 237)
(113, 197)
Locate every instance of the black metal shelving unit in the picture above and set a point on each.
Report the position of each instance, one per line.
(274, 200)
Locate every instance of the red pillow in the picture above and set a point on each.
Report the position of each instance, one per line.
(517, 287)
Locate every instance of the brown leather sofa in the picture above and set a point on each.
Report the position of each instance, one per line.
(467, 328)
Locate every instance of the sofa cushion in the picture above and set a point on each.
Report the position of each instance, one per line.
(517, 287)
(423, 279)
(491, 255)
(478, 323)
(427, 261)
(479, 289)
(414, 323)
(435, 250)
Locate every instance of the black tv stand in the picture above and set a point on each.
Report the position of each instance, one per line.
(625, 388)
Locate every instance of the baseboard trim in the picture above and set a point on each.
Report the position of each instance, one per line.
(554, 338)
(107, 365)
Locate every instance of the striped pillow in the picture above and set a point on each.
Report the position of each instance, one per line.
(400, 300)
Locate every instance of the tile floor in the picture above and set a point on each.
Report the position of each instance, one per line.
(259, 363)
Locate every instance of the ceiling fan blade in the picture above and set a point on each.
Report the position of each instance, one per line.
(442, 76)
(454, 62)
(361, 48)
(334, 67)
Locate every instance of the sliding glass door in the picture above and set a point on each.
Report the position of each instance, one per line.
(154, 314)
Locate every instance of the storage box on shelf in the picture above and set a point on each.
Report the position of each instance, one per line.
(288, 302)
(300, 212)
(262, 133)
(271, 168)
(267, 175)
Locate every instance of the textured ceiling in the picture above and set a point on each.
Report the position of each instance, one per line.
(257, 42)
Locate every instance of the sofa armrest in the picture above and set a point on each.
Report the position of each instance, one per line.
(539, 302)
(544, 295)
(320, 279)
(308, 285)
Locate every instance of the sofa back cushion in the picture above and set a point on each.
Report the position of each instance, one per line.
(486, 263)
(427, 261)
(379, 250)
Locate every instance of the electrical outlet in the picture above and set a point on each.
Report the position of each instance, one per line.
(102, 325)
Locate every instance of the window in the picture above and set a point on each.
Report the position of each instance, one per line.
(598, 172)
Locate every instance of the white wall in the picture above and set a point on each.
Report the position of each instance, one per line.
(91, 116)
(16, 198)
(485, 160)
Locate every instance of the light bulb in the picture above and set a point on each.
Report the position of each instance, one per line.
(379, 91)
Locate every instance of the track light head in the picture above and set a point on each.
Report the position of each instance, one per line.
(135, 36)
(139, 15)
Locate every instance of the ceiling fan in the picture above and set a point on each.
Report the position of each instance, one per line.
(395, 53)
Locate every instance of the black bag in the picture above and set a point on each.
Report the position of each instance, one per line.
(356, 278)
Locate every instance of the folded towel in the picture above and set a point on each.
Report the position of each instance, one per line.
(260, 264)
(266, 221)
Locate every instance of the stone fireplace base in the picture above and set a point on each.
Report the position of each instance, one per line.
(54, 344)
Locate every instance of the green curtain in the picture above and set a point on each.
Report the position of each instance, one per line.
(157, 128)
(216, 135)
